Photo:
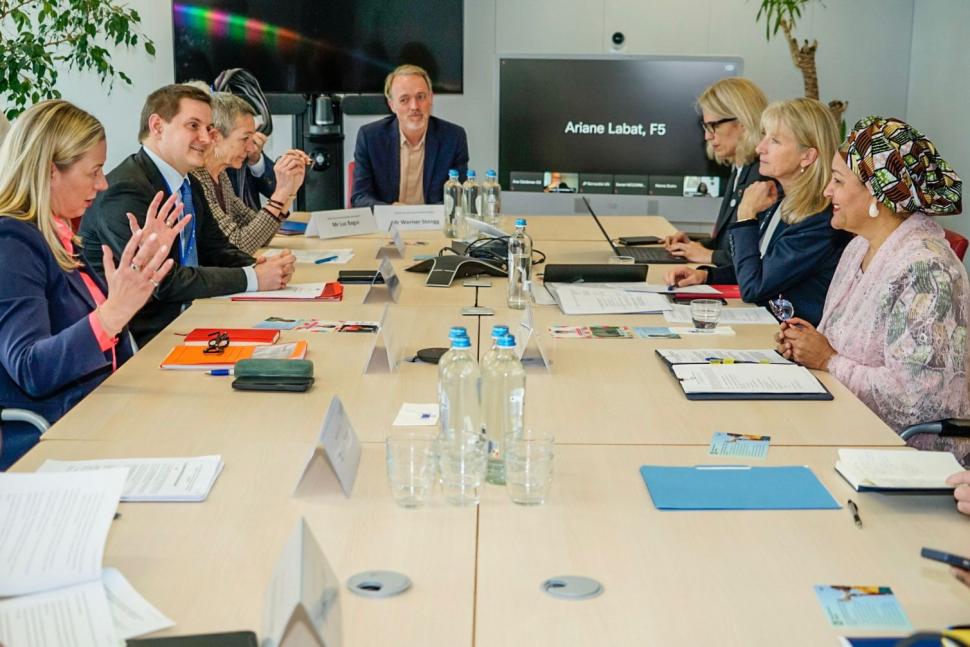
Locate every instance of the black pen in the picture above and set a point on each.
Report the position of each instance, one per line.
(854, 509)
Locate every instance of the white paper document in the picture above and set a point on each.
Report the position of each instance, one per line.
(892, 469)
(661, 288)
(747, 378)
(541, 296)
(417, 415)
(154, 479)
(131, 614)
(54, 527)
(324, 256)
(708, 355)
(292, 292)
(76, 616)
(97, 613)
(577, 299)
(681, 314)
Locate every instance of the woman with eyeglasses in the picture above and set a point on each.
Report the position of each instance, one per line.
(731, 119)
(782, 244)
(62, 329)
(894, 328)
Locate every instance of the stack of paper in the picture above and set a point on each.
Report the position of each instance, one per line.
(51, 545)
(681, 314)
(721, 356)
(154, 479)
(749, 382)
(887, 470)
(578, 299)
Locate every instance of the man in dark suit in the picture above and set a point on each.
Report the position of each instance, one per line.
(174, 133)
(405, 158)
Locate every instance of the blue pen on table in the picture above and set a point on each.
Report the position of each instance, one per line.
(325, 259)
(220, 372)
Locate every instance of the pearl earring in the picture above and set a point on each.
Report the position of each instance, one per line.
(873, 210)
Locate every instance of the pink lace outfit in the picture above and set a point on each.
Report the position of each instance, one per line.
(900, 330)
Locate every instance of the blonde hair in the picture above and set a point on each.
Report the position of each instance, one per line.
(50, 133)
(813, 126)
(405, 70)
(739, 98)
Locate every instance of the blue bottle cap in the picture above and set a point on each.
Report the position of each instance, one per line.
(499, 331)
(471, 174)
(508, 341)
(453, 173)
(461, 342)
(491, 173)
(520, 222)
(457, 331)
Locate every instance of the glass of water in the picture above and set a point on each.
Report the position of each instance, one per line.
(411, 467)
(705, 313)
(528, 467)
(462, 463)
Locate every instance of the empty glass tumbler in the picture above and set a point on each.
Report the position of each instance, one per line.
(411, 467)
(461, 463)
(528, 467)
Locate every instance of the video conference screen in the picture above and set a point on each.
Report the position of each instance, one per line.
(617, 125)
(310, 46)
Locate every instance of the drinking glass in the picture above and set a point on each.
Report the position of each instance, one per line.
(705, 313)
(528, 467)
(462, 462)
(411, 467)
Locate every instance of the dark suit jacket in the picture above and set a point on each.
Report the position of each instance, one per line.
(728, 213)
(131, 187)
(49, 356)
(798, 264)
(377, 161)
(252, 186)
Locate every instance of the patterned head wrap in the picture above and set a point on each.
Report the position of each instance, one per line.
(901, 168)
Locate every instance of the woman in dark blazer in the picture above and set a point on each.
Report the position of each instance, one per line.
(731, 118)
(782, 243)
(62, 329)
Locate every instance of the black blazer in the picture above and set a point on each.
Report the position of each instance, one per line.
(377, 161)
(131, 187)
(718, 240)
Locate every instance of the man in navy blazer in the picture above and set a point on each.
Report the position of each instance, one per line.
(405, 158)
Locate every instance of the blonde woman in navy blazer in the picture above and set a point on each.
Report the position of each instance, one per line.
(62, 329)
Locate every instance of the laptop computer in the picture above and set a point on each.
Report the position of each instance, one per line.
(639, 254)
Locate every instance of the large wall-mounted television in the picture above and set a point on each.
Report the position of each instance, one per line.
(310, 46)
(624, 125)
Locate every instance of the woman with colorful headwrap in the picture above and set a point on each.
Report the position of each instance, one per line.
(894, 325)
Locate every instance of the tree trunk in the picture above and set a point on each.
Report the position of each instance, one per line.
(804, 59)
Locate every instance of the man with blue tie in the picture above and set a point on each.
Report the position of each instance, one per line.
(405, 158)
(174, 133)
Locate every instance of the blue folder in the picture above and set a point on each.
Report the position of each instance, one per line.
(735, 487)
(292, 228)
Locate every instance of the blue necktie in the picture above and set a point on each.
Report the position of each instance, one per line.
(188, 255)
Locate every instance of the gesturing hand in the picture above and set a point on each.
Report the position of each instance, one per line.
(142, 266)
(163, 220)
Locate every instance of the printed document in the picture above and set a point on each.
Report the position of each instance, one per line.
(746, 378)
(577, 299)
(681, 314)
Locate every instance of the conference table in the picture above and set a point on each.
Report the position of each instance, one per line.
(723, 577)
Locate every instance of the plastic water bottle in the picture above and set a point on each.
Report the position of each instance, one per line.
(503, 404)
(498, 332)
(491, 209)
(453, 197)
(460, 395)
(471, 196)
(520, 266)
(443, 361)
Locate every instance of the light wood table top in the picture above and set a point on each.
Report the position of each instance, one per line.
(704, 577)
(207, 565)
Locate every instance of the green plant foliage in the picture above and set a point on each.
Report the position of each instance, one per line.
(38, 36)
(775, 11)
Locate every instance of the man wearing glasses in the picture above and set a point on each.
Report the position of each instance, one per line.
(405, 158)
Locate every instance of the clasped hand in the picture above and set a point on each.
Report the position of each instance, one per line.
(799, 341)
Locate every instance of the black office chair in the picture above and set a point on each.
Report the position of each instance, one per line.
(948, 427)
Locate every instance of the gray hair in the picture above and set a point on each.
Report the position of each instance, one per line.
(226, 109)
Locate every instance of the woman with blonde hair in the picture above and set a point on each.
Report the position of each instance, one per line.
(232, 143)
(782, 244)
(894, 328)
(62, 329)
(731, 119)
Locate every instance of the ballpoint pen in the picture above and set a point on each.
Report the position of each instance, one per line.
(854, 509)
(325, 259)
(220, 372)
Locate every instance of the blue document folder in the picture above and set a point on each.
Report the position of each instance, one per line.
(735, 487)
